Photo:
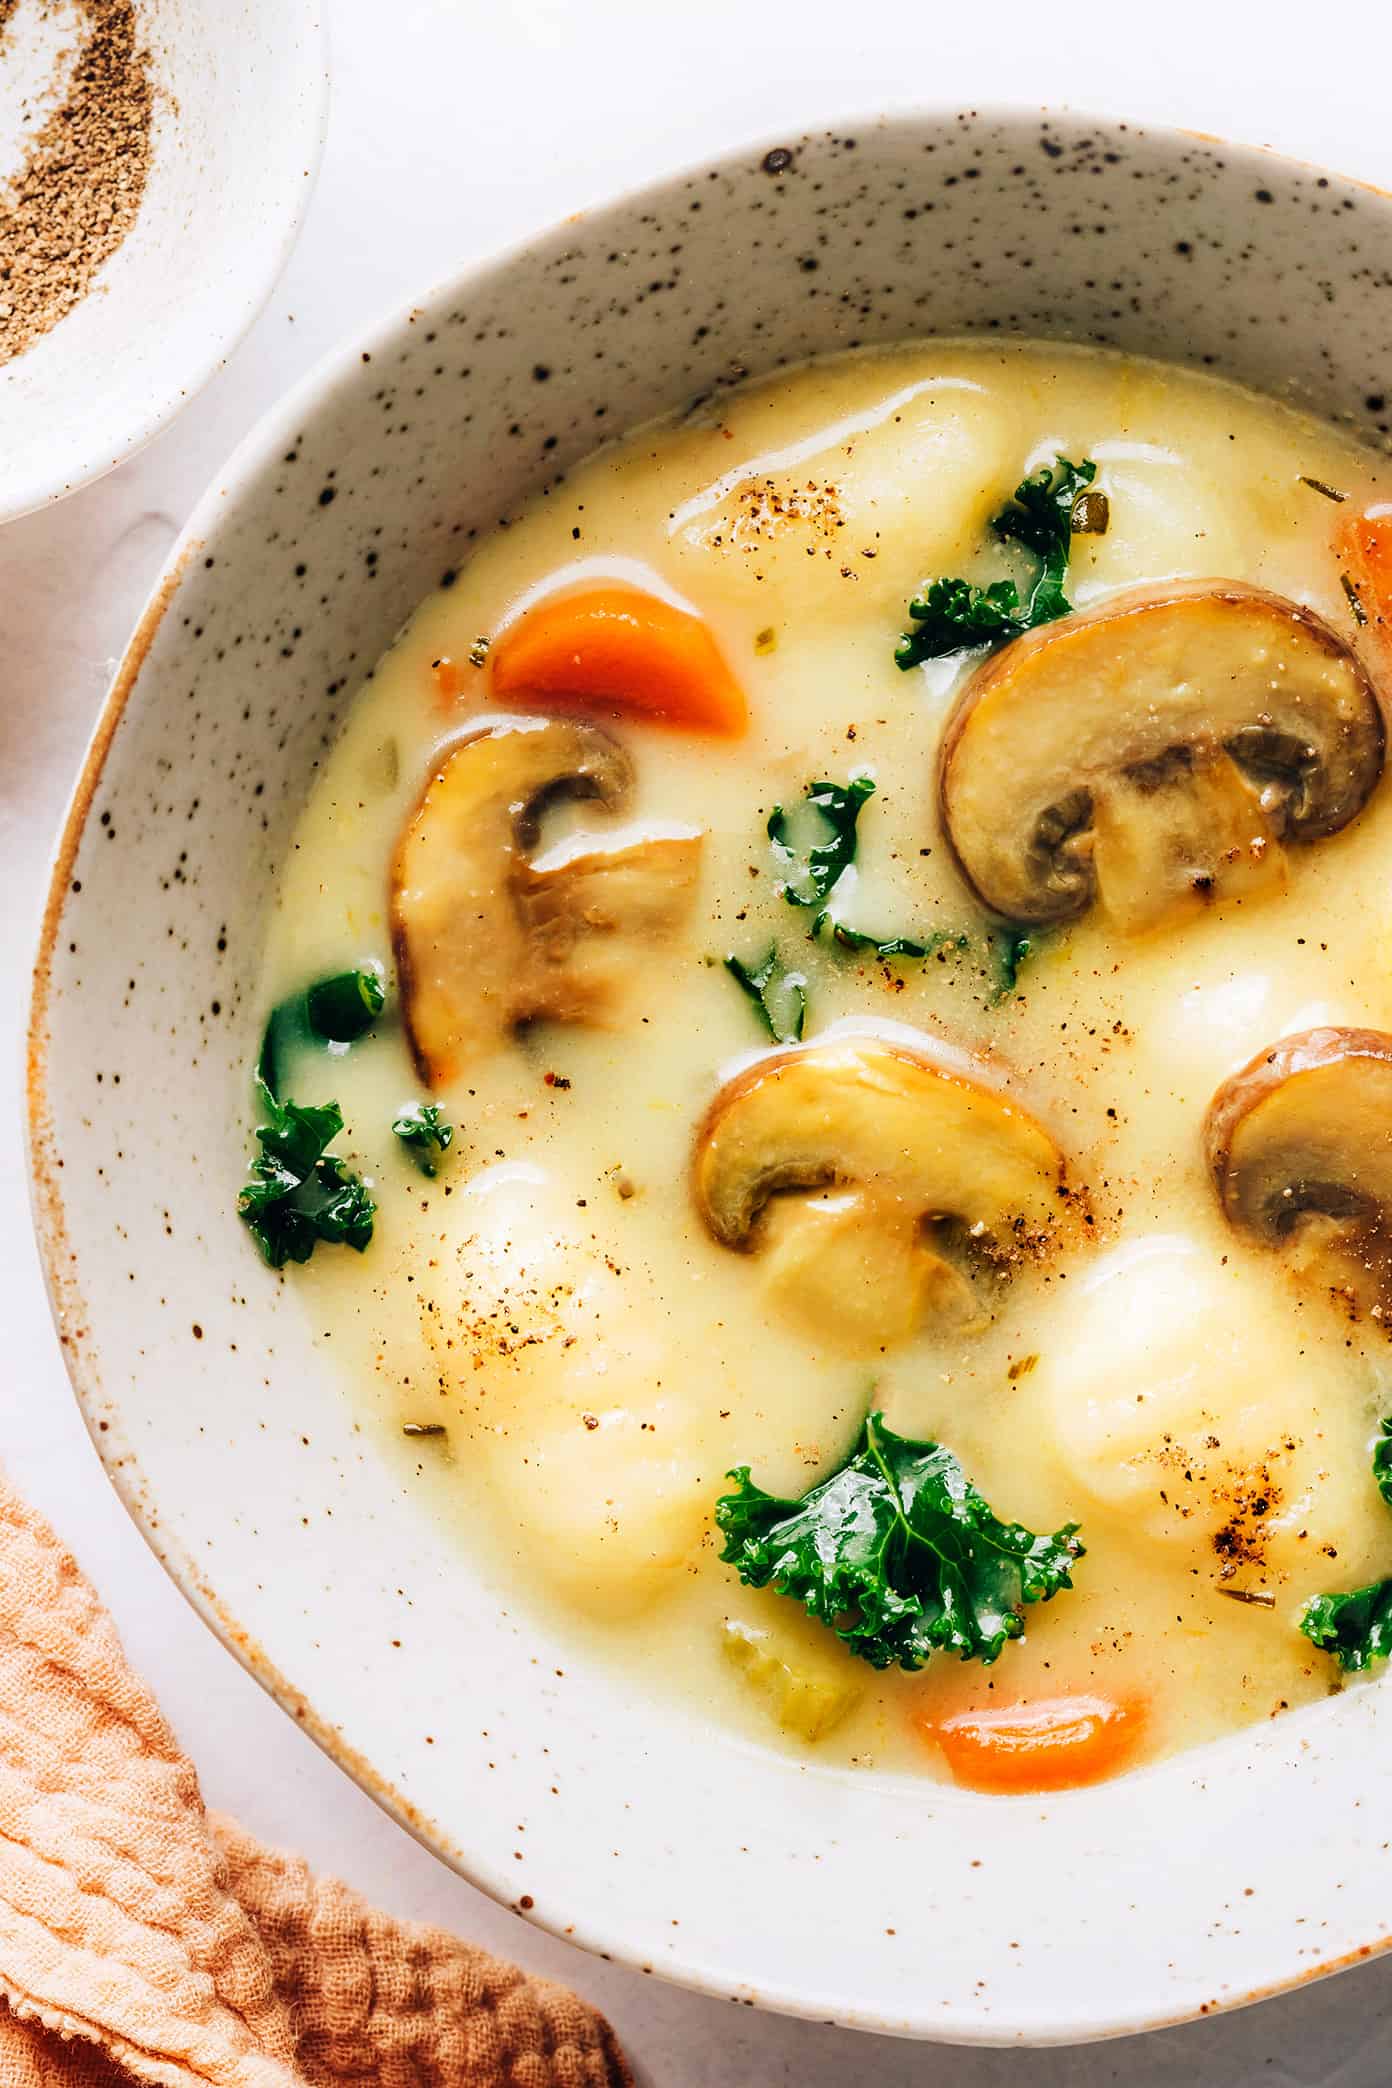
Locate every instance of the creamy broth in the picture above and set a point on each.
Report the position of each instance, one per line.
(598, 1362)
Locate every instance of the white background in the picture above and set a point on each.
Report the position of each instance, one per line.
(459, 126)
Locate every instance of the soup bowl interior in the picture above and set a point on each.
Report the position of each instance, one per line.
(863, 1898)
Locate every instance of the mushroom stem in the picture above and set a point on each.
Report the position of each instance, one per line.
(1176, 833)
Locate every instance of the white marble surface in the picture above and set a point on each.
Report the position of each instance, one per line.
(458, 126)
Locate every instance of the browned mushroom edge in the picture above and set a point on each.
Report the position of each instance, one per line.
(1295, 769)
(1299, 1146)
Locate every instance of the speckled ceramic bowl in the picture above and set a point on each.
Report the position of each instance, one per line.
(860, 1898)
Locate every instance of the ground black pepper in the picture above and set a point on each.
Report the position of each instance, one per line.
(78, 191)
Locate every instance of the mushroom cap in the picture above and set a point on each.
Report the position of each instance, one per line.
(1300, 1147)
(934, 1154)
(1210, 680)
(486, 939)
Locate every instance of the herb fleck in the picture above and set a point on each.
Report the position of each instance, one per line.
(1319, 486)
(810, 873)
(425, 1134)
(779, 995)
(299, 1193)
(1355, 600)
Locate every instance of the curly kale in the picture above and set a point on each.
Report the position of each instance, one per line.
(1357, 1628)
(335, 1010)
(780, 995)
(1382, 1462)
(1009, 949)
(811, 873)
(299, 1193)
(1046, 512)
(897, 1553)
(425, 1134)
(859, 941)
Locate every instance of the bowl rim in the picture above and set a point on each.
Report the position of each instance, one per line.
(263, 441)
(45, 486)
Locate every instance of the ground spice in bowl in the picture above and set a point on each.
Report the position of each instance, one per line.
(78, 189)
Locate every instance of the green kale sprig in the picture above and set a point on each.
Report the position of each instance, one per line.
(299, 1193)
(897, 1553)
(1010, 950)
(425, 1134)
(335, 1010)
(1007, 949)
(858, 941)
(810, 874)
(814, 873)
(779, 995)
(1357, 1627)
(1382, 1462)
(1047, 511)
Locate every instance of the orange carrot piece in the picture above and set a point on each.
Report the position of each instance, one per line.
(617, 647)
(1365, 553)
(448, 680)
(1052, 1745)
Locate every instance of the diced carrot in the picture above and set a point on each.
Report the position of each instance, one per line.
(617, 647)
(1052, 1745)
(447, 679)
(1365, 552)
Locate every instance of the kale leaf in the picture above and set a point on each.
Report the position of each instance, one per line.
(1357, 1628)
(334, 1010)
(779, 995)
(1382, 1462)
(1010, 949)
(343, 1008)
(1040, 518)
(1047, 509)
(425, 1135)
(1007, 950)
(299, 1193)
(955, 616)
(897, 1552)
(814, 874)
(808, 882)
(858, 939)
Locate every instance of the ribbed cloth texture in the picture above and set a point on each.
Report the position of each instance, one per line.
(144, 1941)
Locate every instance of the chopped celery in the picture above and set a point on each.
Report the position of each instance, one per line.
(804, 1691)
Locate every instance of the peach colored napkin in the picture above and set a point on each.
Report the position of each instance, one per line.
(142, 1941)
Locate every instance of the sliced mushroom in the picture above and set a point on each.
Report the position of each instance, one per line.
(484, 938)
(944, 1183)
(884, 1280)
(585, 913)
(1156, 753)
(1300, 1145)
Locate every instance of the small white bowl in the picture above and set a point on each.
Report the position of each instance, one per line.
(241, 108)
(868, 1899)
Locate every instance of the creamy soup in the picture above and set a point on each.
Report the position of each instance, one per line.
(988, 1194)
